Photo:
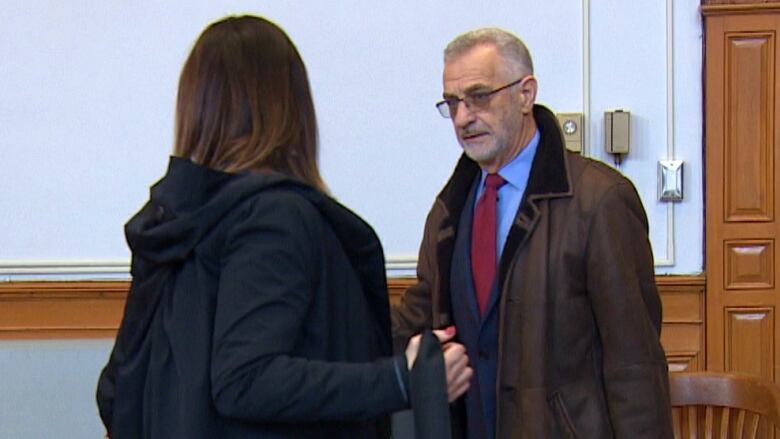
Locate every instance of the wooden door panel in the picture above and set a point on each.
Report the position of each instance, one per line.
(749, 264)
(750, 340)
(741, 153)
(749, 85)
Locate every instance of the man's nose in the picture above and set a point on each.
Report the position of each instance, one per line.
(463, 115)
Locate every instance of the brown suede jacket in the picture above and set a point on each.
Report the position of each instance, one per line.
(580, 315)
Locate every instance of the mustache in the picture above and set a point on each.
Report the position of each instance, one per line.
(469, 132)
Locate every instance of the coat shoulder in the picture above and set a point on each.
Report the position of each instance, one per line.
(281, 202)
(283, 209)
(594, 179)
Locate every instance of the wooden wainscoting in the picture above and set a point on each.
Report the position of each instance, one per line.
(55, 310)
(683, 333)
(52, 310)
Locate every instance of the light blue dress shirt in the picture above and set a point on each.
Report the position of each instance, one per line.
(516, 174)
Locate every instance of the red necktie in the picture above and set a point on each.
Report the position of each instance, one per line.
(483, 241)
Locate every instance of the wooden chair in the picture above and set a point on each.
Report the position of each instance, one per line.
(723, 405)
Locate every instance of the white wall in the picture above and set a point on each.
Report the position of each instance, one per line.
(87, 92)
(648, 60)
(88, 88)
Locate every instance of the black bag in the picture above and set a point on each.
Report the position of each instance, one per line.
(428, 391)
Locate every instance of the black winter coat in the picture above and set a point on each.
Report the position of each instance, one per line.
(258, 309)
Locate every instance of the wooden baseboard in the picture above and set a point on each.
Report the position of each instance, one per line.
(55, 310)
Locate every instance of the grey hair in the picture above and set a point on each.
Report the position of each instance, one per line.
(510, 47)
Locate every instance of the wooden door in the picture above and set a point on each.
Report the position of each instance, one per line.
(741, 153)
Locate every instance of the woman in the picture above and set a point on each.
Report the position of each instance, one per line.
(258, 306)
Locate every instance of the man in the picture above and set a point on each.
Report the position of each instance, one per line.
(541, 260)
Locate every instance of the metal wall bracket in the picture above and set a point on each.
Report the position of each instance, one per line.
(670, 180)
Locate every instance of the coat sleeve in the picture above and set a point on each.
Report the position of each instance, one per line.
(268, 276)
(627, 308)
(414, 313)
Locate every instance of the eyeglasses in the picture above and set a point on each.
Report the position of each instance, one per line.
(474, 101)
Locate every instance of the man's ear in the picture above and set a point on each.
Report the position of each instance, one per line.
(527, 92)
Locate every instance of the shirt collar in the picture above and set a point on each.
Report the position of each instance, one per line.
(516, 172)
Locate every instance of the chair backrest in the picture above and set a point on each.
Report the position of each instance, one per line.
(723, 405)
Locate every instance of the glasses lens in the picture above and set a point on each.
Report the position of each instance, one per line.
(444, 109)
(478, 100)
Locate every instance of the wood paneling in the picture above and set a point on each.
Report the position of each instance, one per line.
(749, 264)
(42, 310)
(684, 361)
(750, 340)
(740, 8)
(51, 310)
(683, 329)
(749, 66)
(716, 7)
(741, 157)
(738, 2)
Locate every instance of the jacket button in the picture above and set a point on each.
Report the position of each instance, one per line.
(483, 355)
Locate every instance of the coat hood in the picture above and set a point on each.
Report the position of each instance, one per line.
(188, 202)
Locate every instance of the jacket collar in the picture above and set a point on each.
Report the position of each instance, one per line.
(549, 173)
(549, 178)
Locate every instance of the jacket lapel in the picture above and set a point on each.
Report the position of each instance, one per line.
(453, 198)
(549, 178)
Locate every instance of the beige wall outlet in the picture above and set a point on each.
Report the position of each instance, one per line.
(572, 128)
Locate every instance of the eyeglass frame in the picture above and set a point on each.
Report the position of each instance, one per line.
(445, 109)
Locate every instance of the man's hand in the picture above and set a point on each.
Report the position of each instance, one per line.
(456, 362)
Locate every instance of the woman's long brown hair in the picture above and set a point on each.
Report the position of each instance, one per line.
(244, 102)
